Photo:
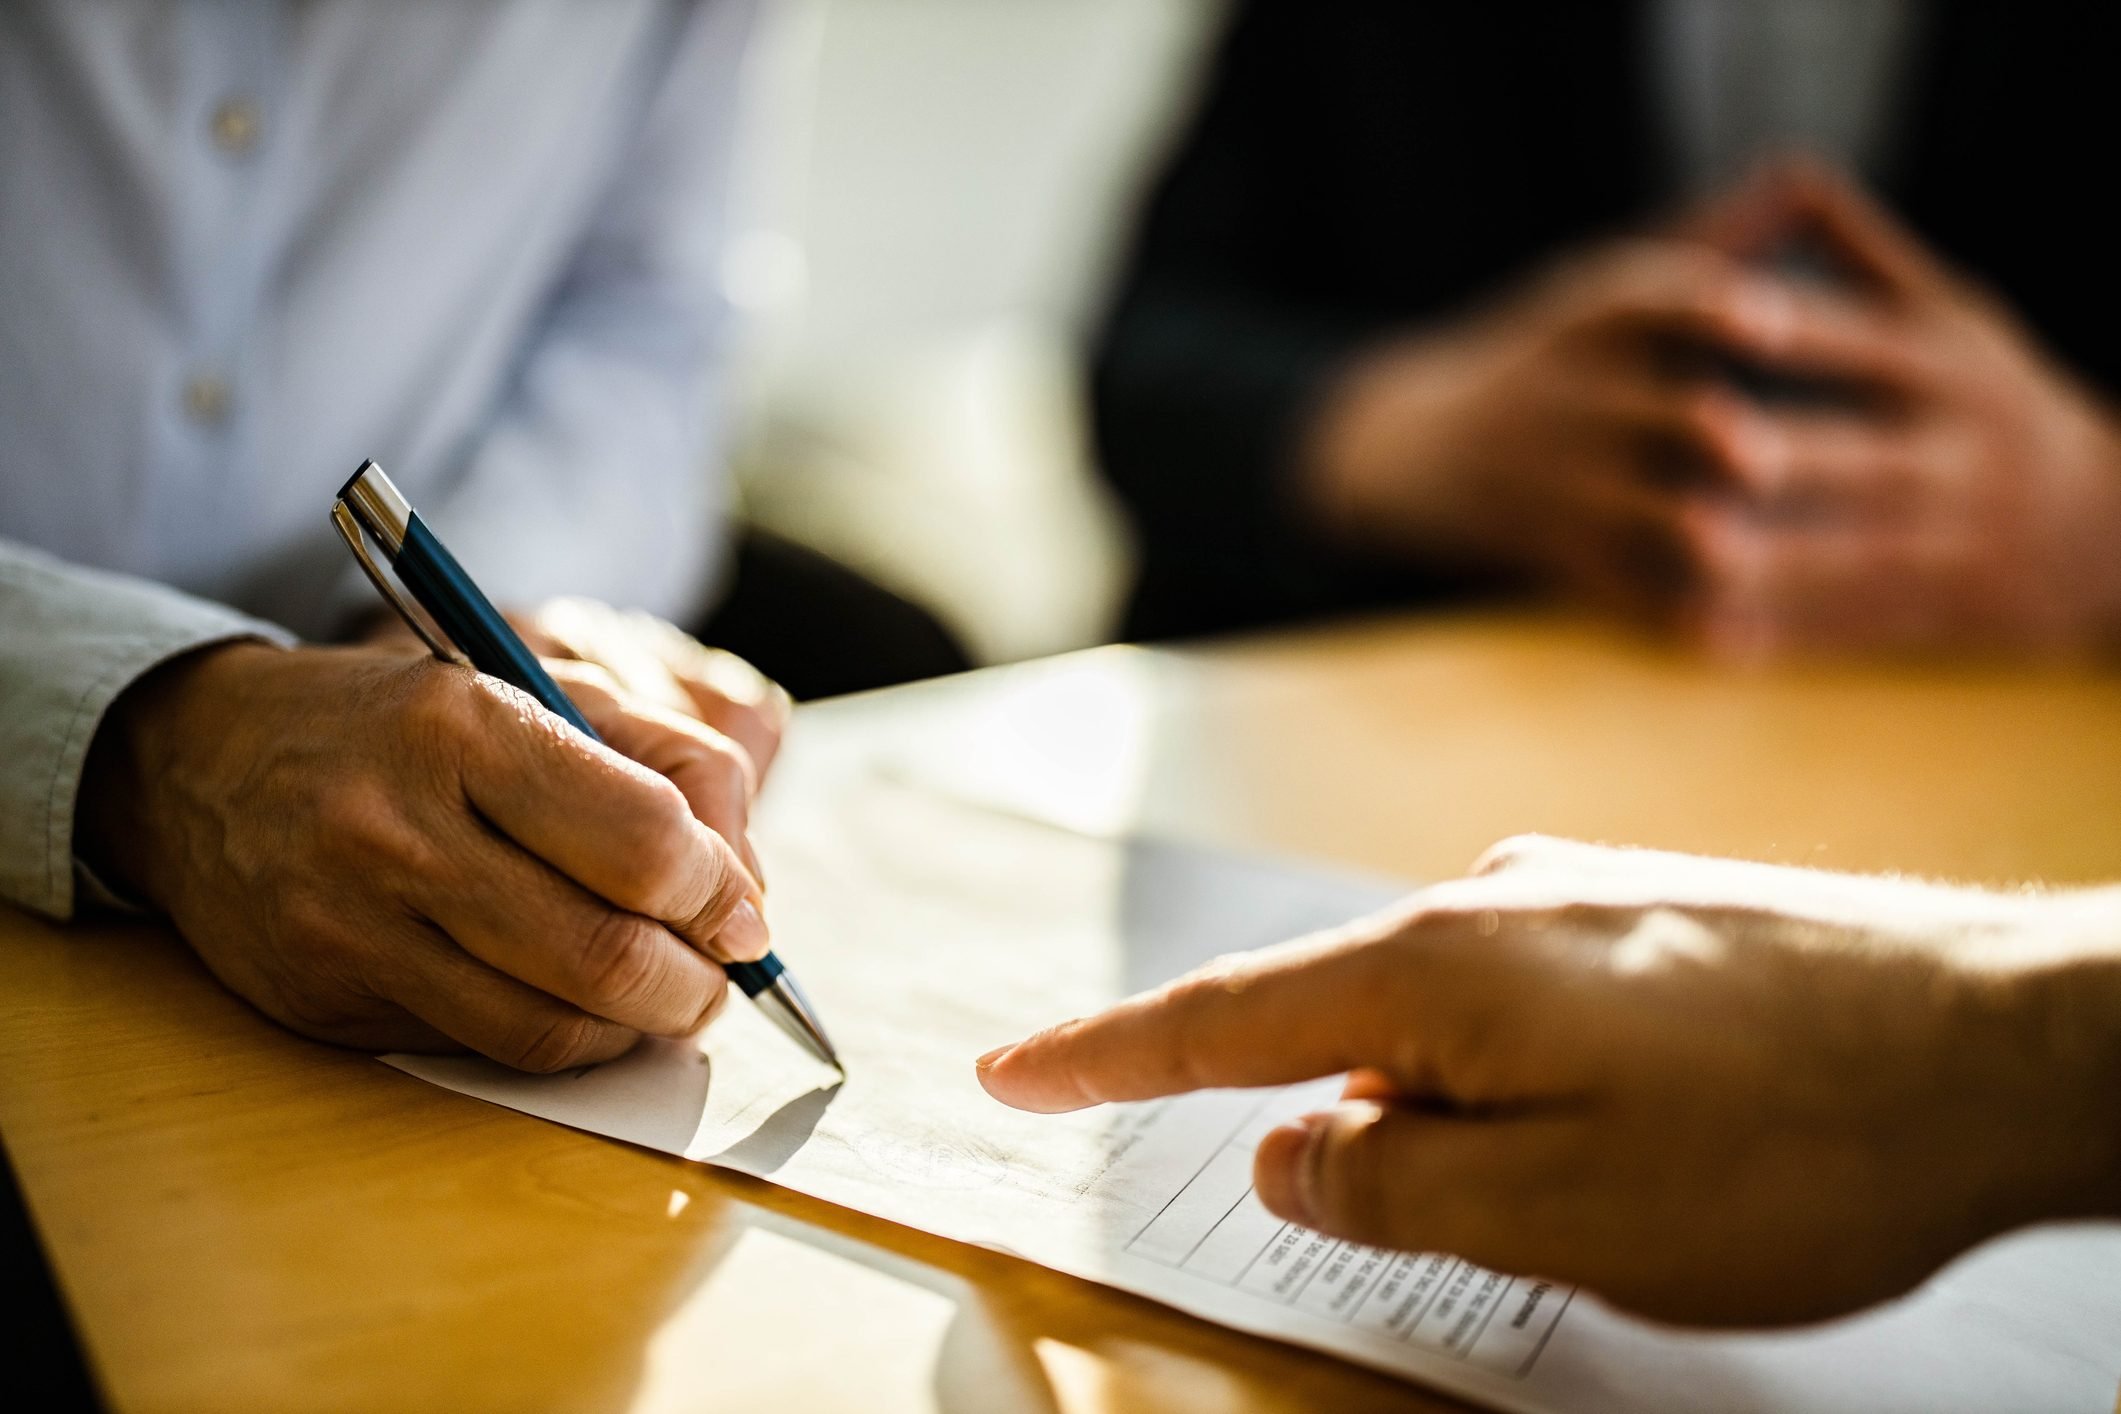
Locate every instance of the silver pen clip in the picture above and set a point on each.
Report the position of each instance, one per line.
(349, 528)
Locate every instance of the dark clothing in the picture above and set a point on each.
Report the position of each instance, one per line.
(819, 629)
(46, 1368)
(1358, 169)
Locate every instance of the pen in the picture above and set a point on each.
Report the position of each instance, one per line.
(462, 626)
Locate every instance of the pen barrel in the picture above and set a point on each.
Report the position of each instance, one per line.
(463, 612)
(468, 617)
(752, 978)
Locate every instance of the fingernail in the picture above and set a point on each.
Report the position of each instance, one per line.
(1287, 1168)
(986, 1062)
(744, 936)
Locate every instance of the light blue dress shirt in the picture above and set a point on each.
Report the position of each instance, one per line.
(247, 243)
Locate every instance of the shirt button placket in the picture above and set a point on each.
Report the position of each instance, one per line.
(235, 125)
(228, 95)
(206, 398)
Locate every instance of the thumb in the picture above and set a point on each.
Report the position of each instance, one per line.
(1401, 1178)
(1859, 229)
(1746, 220)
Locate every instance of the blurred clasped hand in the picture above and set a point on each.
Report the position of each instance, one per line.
(1954, 488)
(379, 849)
(1715, 1093)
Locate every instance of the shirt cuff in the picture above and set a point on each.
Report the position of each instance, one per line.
(77, 639)
(64, 872)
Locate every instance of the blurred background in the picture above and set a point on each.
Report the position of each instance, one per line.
(937, 193)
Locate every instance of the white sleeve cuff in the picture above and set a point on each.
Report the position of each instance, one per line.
(71, 640)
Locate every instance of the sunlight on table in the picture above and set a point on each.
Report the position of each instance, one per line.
(1068, 742)
(887, 1344)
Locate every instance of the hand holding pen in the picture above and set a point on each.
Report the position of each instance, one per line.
(456, 620)
(402, 855)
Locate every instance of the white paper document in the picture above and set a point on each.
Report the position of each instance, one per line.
(927, 932)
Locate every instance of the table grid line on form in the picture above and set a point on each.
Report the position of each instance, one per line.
(1218, 1223)
(1226, 1240)
(1213, 1154)
(1264, 1247)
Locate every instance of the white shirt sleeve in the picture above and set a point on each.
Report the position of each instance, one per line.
(600, 472)
(71, 640)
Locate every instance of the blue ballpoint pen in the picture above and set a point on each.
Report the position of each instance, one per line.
(465, 627)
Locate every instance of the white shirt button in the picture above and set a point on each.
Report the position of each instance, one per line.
(205, 398)
(235, 126)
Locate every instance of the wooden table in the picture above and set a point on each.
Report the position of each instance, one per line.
(244, 1220)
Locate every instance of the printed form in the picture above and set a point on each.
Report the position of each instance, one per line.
(929, 931)
(1214, 1228)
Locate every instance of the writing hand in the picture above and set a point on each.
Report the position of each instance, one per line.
(659, 663)
(1715, 1093)
(653, 661)
(392, 852)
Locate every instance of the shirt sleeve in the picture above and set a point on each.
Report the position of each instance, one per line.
(1225, 336)
(1212, 359)
(599, 473)
(71, 640)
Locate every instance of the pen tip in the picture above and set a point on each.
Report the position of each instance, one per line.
(787, 1007)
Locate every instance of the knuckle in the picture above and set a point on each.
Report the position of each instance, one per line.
(313, 985)
(320, 1018)
(438, 699)
(1185, 997)
(559, 1043)
(616, 964)
(720, 757)
(1717, 301)
(598, 675)
(734, 776)
(1515, 852)
(665, 806)
(445, 715)
(303, 922)
(361, 817)
(1191, 1003)
(655, 867)
(1226, 974)
(314, 1007)
(713, 1003)
(1585, 918)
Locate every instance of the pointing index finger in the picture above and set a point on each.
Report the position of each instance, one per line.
(1313, 1007)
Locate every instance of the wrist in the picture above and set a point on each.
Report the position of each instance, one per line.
(1394, 458)
(1357, 464)
(125, 813)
